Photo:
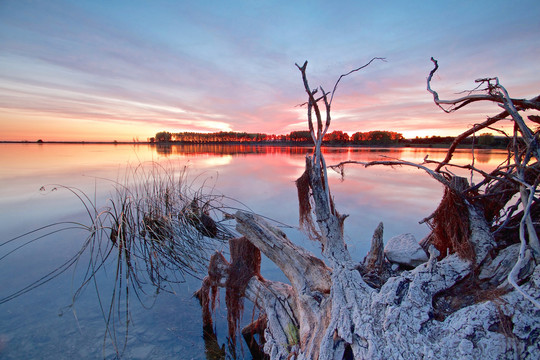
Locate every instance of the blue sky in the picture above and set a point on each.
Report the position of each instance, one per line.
(118, 70)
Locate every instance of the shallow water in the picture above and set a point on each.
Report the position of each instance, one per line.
(40, 323)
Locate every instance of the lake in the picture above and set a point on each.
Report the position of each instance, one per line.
(41, 324)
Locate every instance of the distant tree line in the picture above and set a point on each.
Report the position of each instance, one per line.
(376, 137)
(482, 140)
(335, 137)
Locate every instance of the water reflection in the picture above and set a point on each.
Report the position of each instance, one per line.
(225, 149)
(261, 177)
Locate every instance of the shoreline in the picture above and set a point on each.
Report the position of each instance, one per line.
(276, 144)
(267, 143)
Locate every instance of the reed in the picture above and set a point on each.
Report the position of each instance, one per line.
(154, 230)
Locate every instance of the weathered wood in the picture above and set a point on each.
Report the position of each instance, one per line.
(398, 320)
(308, 275)
(442, 308)
(303, 269)
(373, 261)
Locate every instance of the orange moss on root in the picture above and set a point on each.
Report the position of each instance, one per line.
(245, 263)
(209, 290)
(304, 205)
(450, 225)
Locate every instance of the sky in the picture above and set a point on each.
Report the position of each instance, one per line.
(124, 70)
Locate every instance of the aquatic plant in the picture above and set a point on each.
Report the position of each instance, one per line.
(157, 227)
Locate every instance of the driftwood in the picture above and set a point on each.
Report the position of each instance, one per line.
(476, 296)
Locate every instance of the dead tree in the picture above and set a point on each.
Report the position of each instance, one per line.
(457, 304)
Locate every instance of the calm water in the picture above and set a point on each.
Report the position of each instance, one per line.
(39, 324)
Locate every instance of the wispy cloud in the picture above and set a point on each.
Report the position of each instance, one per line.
(230, 66)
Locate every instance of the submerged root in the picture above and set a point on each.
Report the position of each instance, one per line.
(245, 263)
(251, 333)
(234, 276)
(207, 294)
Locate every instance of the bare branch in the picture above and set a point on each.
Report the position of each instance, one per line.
(311, 101)
(490, 121)
(525, 222)
(317, 100)
(456, 103)
(492, 95)
(350, 72)
(497, 93)
(436, 175)
(328, 118)
(527, 134)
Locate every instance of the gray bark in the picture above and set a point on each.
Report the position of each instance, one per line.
(394, 322)
(335, 308)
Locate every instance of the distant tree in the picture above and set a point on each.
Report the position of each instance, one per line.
(377, 137)
(357, 137)
(380, 138)
(486, 139)
(336, 137)
(300, 136)
(433, 140)
(163, 136)
(40, 141)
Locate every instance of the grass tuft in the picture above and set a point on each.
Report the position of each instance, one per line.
(154, 230)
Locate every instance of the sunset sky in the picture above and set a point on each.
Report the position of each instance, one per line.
(122, 70)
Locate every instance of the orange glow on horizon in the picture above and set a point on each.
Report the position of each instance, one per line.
(31, 126)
